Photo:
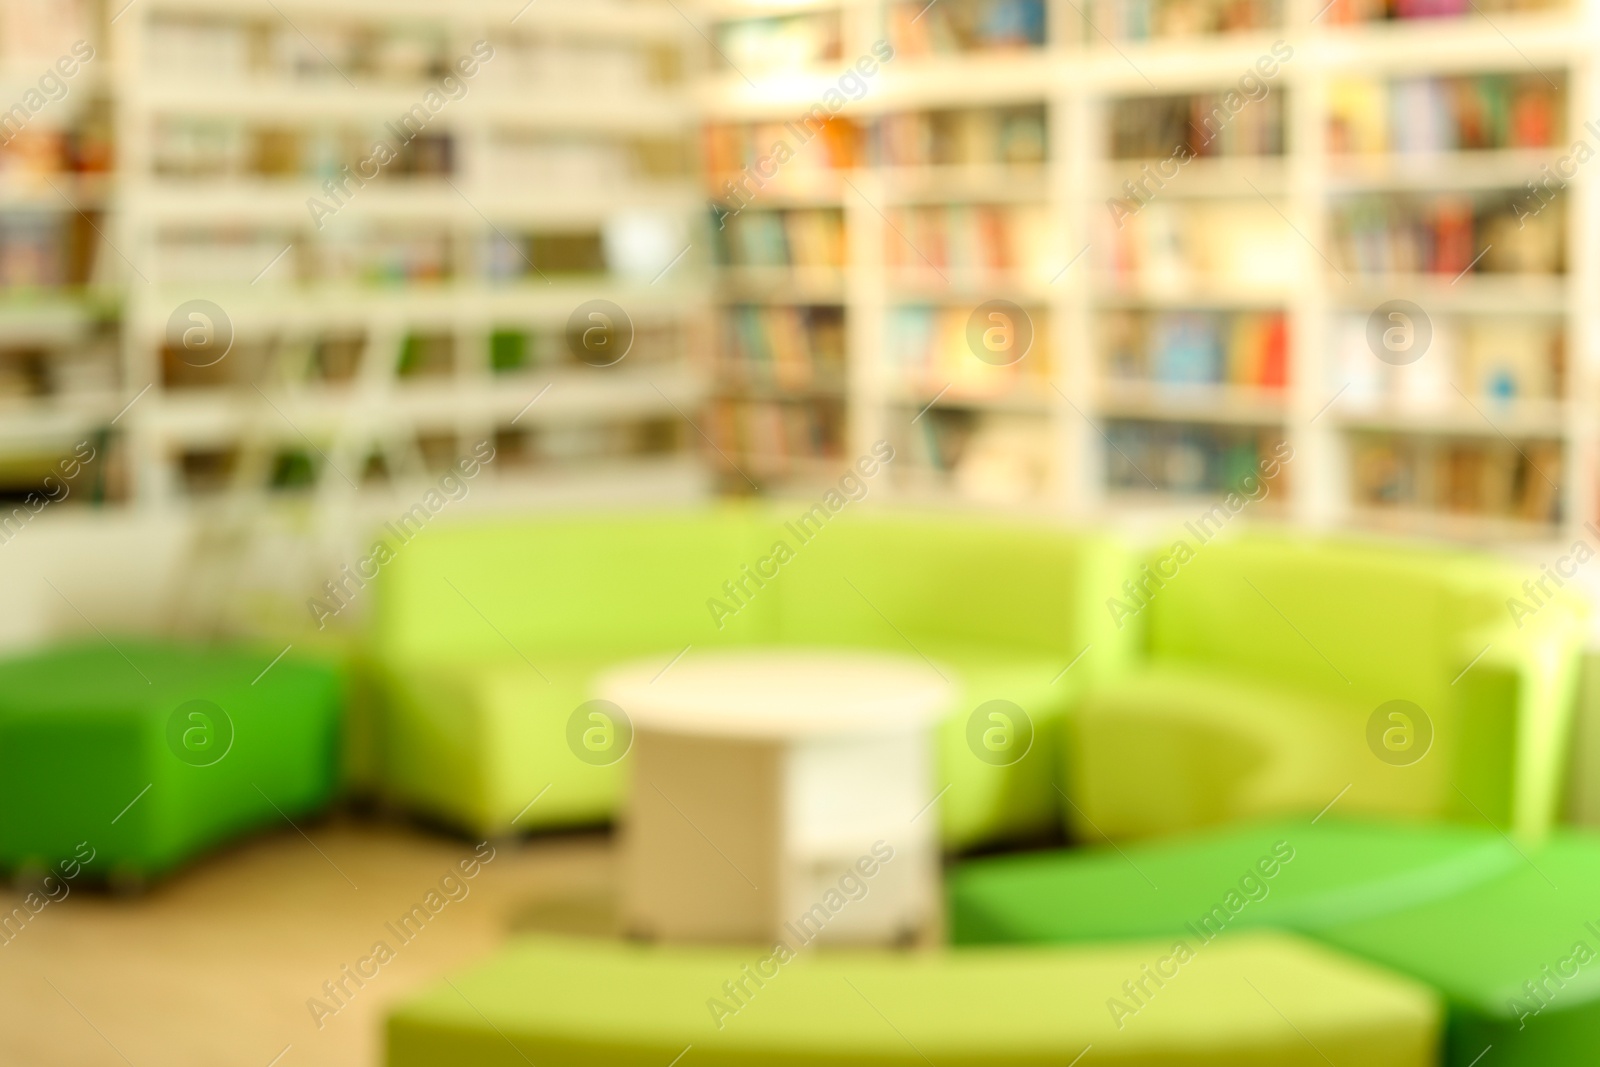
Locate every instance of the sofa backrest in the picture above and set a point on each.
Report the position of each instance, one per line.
(642, 581)
(876, 579)
(628, 582)
(1348, 620)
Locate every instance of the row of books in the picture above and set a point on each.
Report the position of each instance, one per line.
(1345, 12)
(39, 149)
(1198, 348)
(1447, 235)
(1154, 127)
(954, 26)
(964, 137)
(986, 457)
(514, 351)
(961, 137)
(1492, 359)
(1139, 20)
(45, 249)
(1178, 245)
(1488, 478)
(234, 49)
(759, 46)
(930, 349)
(1148, 456)
(728, 148)
(774, 435)
(980, 242)
(786, 347)
(1446, 114)
(809, 237)
(377, 256)
(224, 149)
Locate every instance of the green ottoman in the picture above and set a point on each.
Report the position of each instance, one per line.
(1288, 874)
(1516, 957)
(122, 752)
(1256, 999)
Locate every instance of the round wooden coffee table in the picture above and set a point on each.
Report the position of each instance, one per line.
(780, 794)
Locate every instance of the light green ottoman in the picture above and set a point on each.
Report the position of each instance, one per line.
(146, 754)
(1257, 999)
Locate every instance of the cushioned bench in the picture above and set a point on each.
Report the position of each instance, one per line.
(1256, 999)
(1466, 912)
(101, 748)
(1267, 657)
(488, 634)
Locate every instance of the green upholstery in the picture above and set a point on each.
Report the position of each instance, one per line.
(86, 755)
(488, 634)
(566, 1003)
(1463, 910)
(1286, 874)
(1517, 958)
(1267, 655)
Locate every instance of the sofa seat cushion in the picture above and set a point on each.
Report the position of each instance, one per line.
(565, 1003)
(1288, 874)
(1175, 747)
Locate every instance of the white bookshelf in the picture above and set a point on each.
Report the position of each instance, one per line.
(1076, 75)
(606, 77)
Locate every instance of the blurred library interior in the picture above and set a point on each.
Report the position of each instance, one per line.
(274, 271)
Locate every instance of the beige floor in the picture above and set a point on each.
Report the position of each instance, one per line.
(214, 967)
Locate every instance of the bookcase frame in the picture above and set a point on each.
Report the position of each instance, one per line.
(1077, 72)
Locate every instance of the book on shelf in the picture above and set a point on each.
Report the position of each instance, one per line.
(993, 243)
(1189, 458)
(778, 435)
(785, 346)
(1244, 349)
(1153, 127)
(1447, 234)
(1494, 360)
(809, 237)
(730, 149)
(1490, 479)
(1454, 113)
(1014, 136)
(985, 457)
(1193, 245)
(928, 353)
(1139, 20)
(1348, 12)
(962, 26)
(757, 46)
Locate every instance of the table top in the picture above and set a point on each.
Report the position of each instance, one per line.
(780, 693)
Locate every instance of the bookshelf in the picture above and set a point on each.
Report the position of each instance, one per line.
(366, 334)
(1370, 157)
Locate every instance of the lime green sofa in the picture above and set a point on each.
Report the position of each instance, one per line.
(1270, 664)
(1510, 937)
(487, 635)
(1257, 999)
(144, 754)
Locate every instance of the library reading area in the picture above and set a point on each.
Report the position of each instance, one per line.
(873, 533)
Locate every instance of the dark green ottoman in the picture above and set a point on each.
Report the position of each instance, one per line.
(146, 753)
(1517, 958)
(1291, 874)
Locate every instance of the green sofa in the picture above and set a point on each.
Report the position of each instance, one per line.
(146, 753)
(1510, 937)
(1270, 664)
(1257, 999)
(487, 635)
